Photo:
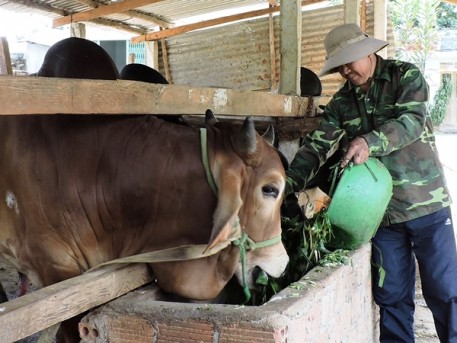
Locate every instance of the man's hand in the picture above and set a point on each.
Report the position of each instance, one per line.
(357, 151)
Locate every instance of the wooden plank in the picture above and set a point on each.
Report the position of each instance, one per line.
(36, 95)
(50, 305)
(117, 7)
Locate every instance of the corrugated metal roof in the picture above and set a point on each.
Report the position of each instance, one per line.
(139, 20)
(174, 10)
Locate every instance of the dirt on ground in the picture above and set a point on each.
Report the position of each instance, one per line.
(424, 328)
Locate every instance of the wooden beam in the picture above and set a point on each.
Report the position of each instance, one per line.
(453, 2)
(119, 25)
(117, 7)
(150, 18)
(212, 22)
(40, 95)
(50, 305)
(132, 13)
(203, 24)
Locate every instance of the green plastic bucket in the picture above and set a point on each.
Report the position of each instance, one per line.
(359, 203)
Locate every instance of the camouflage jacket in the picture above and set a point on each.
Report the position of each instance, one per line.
(392, 117)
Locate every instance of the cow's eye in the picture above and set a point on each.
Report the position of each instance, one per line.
(270, 191)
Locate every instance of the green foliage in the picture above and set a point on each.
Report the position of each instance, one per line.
(446, 16)
(415, 29)
(305, 243)
(438, 108)
(336, 258)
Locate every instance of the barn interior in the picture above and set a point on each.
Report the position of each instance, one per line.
(236, 58)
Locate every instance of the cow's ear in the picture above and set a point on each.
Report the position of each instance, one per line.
(228, 206)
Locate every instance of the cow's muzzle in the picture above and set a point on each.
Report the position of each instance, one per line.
(246, 244)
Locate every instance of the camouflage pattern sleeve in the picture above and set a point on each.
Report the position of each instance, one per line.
(409, 109)
(317, 147)
(392, 117)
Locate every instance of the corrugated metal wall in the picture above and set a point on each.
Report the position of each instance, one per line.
(231, 56)
(315, 26)
(238, 55)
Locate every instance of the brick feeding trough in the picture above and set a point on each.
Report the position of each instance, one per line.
(329, 304)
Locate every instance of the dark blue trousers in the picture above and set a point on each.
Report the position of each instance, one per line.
(431, 239)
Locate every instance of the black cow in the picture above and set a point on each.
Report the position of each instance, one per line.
(141, 72)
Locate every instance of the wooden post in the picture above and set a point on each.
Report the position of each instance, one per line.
(380, 23)
(363, 15)
(152, 54)
(352, 11)
(290, 19)
(78, 30)
(131, 58)
(163, 44)
(5, 58)
(289, 82)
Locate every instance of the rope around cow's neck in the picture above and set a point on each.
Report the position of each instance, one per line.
(245, 244)
(190, 252)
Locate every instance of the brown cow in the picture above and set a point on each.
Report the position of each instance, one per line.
(82, 190)
(72, 58)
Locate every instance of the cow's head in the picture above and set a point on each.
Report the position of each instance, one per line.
(250, 177)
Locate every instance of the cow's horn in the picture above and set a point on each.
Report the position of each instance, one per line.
(269, 135)
(244, 141)
(210, 118)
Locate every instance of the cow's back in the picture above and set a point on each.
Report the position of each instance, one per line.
(78, 190)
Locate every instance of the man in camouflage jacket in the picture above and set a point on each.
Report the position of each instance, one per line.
(382, 112)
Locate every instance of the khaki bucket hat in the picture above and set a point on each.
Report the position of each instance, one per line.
(347, 43)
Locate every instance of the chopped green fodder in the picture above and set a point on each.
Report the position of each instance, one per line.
(305, 242)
